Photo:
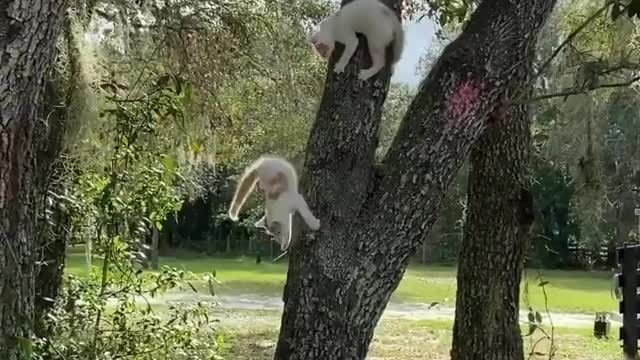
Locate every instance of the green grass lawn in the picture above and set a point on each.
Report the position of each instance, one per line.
(252, 335)
(568, 291)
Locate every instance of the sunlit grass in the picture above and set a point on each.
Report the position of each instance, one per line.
(568, 291)
(253, 336)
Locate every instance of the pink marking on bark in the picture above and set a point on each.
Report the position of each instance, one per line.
(464, 98)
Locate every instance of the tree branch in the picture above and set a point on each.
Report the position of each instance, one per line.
(576, 91)
(622, 66)
(572, 35)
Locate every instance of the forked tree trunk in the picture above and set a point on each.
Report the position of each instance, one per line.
(495, 239)
(28, 33)
(373, 218)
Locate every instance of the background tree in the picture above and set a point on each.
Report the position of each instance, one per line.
(591, 174)
(490, 289)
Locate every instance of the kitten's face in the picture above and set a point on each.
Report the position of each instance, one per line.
(323, 49)
(275, 186)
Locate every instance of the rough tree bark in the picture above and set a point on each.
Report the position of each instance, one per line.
(496, 233)
(53, 221)
(374, 217)
(28, 33)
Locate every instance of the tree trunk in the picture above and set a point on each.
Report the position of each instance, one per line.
(228, 245)
(51, 255)
(425, 251)
(53, 221)
(155, 258)
(495, 239)
(28, 33)
(374, 217)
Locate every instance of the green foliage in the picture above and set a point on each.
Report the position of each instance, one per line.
(585, 143)
(556, 224)
(179, 97)
(584, 170)
(115, 323)
(121, 202)
(447, 13)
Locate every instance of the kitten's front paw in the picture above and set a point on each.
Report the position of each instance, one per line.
(365, 74)
(284, 245)
(260, 224)
(314, 224)
(339, 68)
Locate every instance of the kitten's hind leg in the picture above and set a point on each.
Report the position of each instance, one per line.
(377, 63)
(302, 207)
(350, 46)
(285, 234)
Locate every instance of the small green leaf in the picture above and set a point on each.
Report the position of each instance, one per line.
(196, 147)
(538, 317)
(26, 346)
(543, 283)
(531, 317)
(532, 329)
(170, 164)
(188, 91)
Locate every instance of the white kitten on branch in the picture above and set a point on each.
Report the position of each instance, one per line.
(371, 18)
(278, 179)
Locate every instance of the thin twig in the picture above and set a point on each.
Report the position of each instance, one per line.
(576, 91)
(552, 348)
(622, 66)
(573, 34)
(144, 68)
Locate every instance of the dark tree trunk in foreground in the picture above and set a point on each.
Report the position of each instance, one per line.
(53, 220)
(52, 234)
(374, 217)
(496, 232)
(28, 33)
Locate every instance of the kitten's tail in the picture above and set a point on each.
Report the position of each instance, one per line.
(398, 40)
(245, 186)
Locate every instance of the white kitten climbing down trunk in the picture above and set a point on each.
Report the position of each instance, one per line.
(278, 216)
(371, 18)
(278, 179)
